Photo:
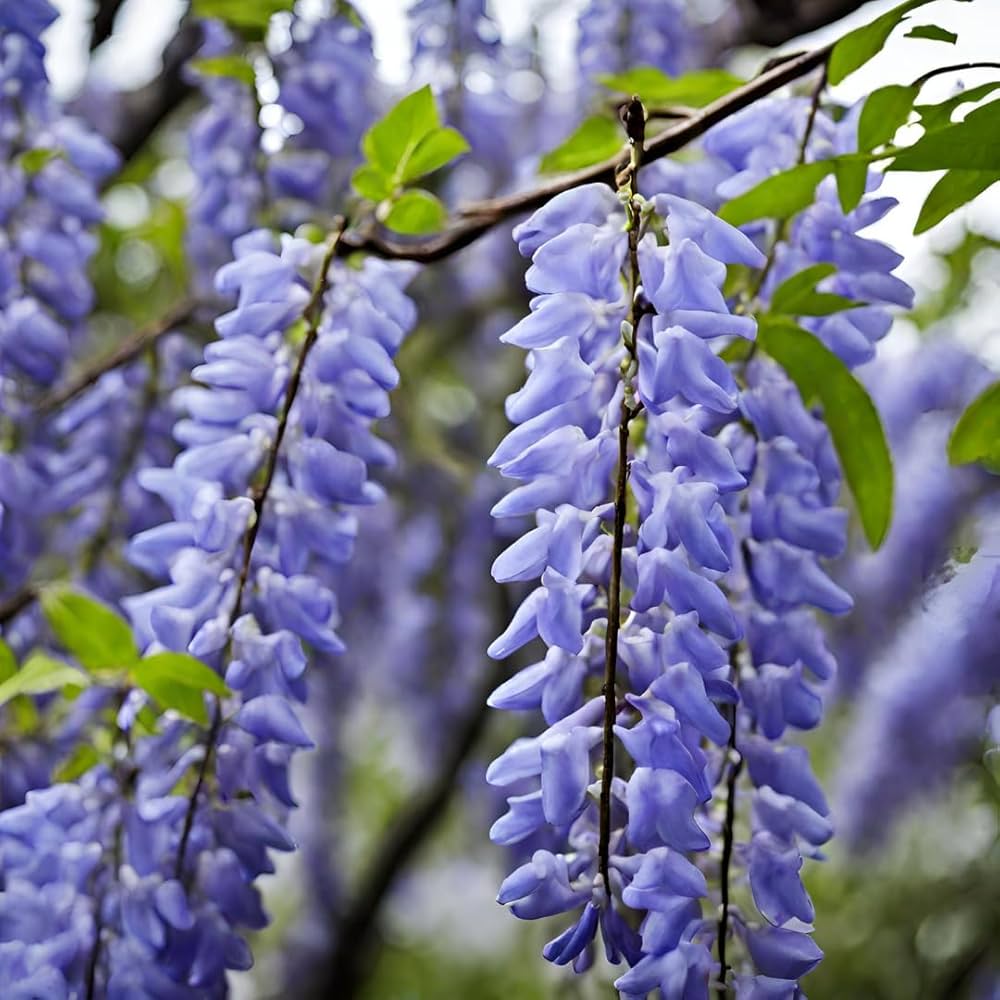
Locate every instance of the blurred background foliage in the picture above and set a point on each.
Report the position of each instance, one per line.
(916, 917)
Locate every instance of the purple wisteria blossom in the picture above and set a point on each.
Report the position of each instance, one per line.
(919, 397)
(225, 156)
(692, 595)
(176, 894)
(326, 82)
(48, 210)
(616, 36)
(923, 704)
(735, 161)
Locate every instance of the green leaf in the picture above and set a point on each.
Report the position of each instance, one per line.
(933, 33)
(32, 161)
(41, 674)
(596, 139)
(179, 681)
(81, 760)
(391, 141)
(972, 144)
(232, 67)
(184, 669)
(852, 180)
(8, 663)
(652, 86)
(371, 183)
(416, 212)
(434, 150)
(955, 189)
(249, 17)
(797, 296)
(849, 413)
(802, 283)
(779, 196)
(96, 636)
(885, 110)
(935, 116)
(976, 437)
(861, 44)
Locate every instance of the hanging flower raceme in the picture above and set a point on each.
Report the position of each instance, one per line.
(735, 161)
(326, 81)
(616, 35)
(249, 593)
(225, 156)
(678, 565)
(489, 87)
(48, 210)
(923, 706)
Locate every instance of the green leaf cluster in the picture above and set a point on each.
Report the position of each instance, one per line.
(969, 152)
(32, 161)
(41, 674)
(404, 146)
(101, 642)
(596, 138)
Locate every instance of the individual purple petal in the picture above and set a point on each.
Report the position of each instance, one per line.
(271, 717)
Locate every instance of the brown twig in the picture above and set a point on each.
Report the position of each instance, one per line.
(478, 218)
(955, 68)
(144, 110)
(633, 117)
(735, 761)
(127, 351)
(16, 603)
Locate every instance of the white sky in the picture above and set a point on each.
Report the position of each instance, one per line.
(130, 59)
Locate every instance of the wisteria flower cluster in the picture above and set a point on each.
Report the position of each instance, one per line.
(245, 592)
(49, 209)
(223, 596)
(693, 565)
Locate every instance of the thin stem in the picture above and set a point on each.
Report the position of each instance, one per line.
(955, 68)
(127, 783)
(312, 314)
(735, 761)
(782, 231)
(127, 351)
(611, 650)
(633, 116)
(17, 602)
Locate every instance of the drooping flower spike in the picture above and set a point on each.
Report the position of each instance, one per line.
(731, 483)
